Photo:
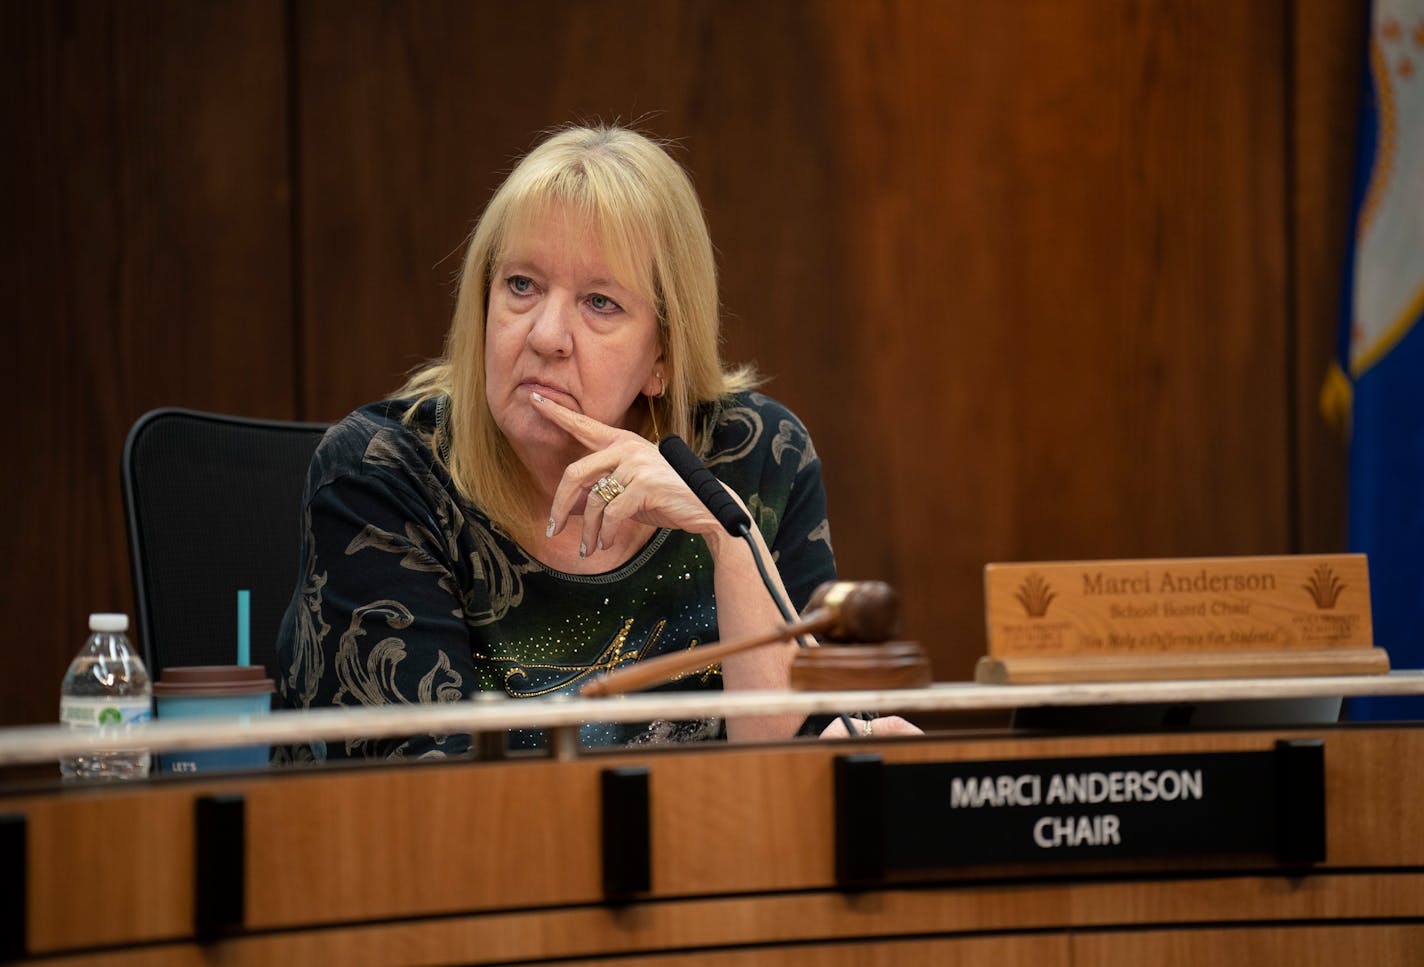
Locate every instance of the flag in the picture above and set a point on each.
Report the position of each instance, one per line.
(1377, 383)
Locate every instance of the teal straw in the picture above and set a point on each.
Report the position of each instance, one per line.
(244, 627)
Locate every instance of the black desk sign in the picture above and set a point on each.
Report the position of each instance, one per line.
(918, 816)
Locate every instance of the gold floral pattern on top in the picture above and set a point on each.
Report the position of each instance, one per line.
(764, 516)
(372, 681)
(413, 554)
(739, 429)
(385, 451)
(791, 436)
(502, 579)
(308, 664)
(498, 580)
(442, 683)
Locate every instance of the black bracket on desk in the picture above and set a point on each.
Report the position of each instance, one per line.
(1301, 790)
(860, 819)
(219, 866)
(14, 868)
(627, 833)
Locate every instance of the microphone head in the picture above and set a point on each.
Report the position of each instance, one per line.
(704, 485)
(860, 611)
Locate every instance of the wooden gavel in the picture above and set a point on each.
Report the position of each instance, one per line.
(861, 611)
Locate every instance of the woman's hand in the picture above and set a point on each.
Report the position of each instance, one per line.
(653, 494)
(873, 728)
(652, 491)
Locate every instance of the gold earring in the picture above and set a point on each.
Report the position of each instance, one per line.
(653, 406)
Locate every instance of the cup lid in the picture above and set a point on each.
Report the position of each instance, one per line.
(213, 680)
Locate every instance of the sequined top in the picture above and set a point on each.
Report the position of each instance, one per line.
(409, 594)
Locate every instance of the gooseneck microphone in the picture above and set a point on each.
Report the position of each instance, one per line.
(715, 498)
(708, 488)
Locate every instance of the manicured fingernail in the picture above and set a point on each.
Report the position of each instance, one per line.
(600, 543)
(549, 531)
(583, 549)
(538, 398)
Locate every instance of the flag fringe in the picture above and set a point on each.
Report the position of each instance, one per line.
(1337, 399)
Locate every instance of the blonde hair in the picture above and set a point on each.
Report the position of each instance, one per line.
(656, 241)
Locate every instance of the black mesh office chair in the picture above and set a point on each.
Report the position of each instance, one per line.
(213, 505)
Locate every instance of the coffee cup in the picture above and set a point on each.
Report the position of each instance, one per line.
(236, 692)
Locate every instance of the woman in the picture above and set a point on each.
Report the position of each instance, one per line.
(507, 523)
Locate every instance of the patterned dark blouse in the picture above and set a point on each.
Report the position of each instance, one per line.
(409, 594)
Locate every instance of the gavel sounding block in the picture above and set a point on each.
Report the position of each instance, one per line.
(833, 668)
(865, 614)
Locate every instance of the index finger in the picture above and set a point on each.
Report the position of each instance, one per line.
(584, 429)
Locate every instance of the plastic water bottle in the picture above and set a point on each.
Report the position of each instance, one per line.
(106, 687)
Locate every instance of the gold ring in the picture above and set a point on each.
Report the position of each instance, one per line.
(607, 488)
(867, 727)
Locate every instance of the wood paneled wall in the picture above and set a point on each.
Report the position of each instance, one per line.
(148, 263)
(1047, 279)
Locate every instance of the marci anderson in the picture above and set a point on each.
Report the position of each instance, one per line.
(1098, 583)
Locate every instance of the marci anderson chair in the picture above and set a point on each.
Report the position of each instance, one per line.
(213, 505)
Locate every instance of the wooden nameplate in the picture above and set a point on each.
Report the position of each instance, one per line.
(1177, 618)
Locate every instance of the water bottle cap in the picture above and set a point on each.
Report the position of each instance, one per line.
(108, 622)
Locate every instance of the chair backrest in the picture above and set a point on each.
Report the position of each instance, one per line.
(213, 505)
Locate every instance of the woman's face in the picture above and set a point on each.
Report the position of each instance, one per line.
(561, 325)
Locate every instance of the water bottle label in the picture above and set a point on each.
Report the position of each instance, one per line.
(94, 711)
